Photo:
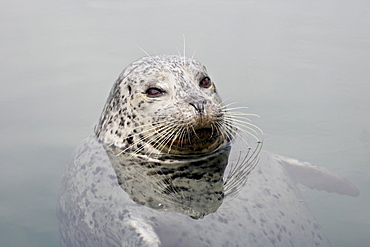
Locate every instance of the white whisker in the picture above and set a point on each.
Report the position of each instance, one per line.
(154, 61)
(192, 57)
(184, 49)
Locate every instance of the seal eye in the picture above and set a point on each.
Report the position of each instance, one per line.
(205, 82)
(153, 92)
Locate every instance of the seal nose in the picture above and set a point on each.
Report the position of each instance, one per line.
(199, 106)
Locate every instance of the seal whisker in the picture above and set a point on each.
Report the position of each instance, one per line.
(242, 114)
(192, 57)
(231, 127)
(248, 133)
(181, 136)
(172, 142)
(240, 170)
(177, 132)
(240, 123)
(169, 136)
(154, 61)
(148, 130)
(237, 177)
(178, 51)
(140, 141)
(239, 117)
(234, 168)
(195, 133)
(165, 139)
(162, 133)
(184, 57)
(238, 120)
(166, 134)
(213, 129)
(224, 130)
(237, 108)
(188, 130)
(225, 106)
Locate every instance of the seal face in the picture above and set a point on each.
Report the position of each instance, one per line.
(164, 104)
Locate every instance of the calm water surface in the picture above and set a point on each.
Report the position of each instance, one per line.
(303, 67)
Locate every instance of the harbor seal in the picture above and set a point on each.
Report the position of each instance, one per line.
(168, 163)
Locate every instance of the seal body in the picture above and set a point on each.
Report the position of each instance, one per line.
(167, 166)
(94, 210)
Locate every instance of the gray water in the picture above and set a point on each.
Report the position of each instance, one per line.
(302, 66)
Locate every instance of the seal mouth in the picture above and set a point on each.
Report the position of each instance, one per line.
(194, 141)
(190, 137)
(196, 136)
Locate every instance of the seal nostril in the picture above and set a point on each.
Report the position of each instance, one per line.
(199, 106)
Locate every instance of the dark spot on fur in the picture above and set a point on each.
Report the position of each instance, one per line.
(130, 140)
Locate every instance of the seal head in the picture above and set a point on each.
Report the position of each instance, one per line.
(164, 104)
